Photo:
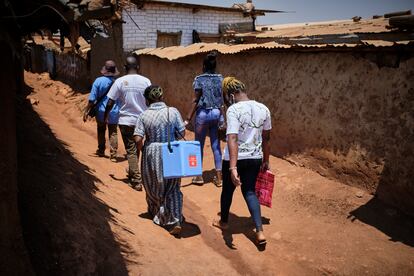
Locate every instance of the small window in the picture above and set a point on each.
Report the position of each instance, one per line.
(168, 39)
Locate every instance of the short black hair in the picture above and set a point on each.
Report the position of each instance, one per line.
(210, 62)
(131, 62)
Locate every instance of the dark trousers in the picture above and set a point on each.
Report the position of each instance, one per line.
(248, 171)
(112, 135)
(134, 173)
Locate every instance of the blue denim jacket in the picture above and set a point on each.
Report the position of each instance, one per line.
(210, 85)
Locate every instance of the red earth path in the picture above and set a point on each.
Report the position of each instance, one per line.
(98, 224)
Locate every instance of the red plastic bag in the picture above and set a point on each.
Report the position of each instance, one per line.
(264, 187)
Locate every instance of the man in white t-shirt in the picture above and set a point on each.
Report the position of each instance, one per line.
(129, 92)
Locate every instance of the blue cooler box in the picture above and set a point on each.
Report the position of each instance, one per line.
(183, 161)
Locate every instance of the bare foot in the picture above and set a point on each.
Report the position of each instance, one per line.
(221, 225)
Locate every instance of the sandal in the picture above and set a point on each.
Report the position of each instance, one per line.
(136, 187)
(198, 180)
(260, 238)
(217, 182)
(176, 229)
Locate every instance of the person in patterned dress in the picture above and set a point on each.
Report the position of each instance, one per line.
(164, 198)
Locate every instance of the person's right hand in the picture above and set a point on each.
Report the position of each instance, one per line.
(235, 178)
(85, 116)
(265, 166)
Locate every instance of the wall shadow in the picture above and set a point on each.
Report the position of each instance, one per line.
(65, 226)
(395, 224)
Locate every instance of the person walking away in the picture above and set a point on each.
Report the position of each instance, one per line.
(98, 101)
(246, 153)
(129, 91)
(208, 106)
(164, 198)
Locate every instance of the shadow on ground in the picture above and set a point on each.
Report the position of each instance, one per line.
(393, 223)
(242, 225)
(189, 229)
(65, 227)
(208, 177)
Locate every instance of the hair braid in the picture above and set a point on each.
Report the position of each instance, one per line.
(231, 84)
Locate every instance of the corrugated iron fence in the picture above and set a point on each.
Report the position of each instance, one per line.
(70, 68)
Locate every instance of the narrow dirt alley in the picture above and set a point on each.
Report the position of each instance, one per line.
(97, 224)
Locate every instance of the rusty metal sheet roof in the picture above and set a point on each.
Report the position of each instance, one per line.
(323, 28)
(177, 52)
(199, 6)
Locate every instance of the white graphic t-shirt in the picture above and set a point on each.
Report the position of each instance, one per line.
(248, 119)
(129, 90)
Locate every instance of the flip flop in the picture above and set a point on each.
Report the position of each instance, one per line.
(261, 242)
(176, 230)
(197, 180)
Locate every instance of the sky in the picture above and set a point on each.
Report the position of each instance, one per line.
(315, 10)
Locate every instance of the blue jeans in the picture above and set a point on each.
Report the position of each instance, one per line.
(248, 171)
(208, 120)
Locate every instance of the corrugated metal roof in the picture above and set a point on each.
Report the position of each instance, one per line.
(54, 43)
(199, 6)
(323, 28)
(176, 52)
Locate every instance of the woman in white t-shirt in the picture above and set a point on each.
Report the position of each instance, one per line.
(246, 153)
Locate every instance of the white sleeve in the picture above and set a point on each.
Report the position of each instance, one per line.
(267, 124)
(233, 123)
(114, 92)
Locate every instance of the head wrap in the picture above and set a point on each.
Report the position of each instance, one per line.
(231, 85)
(153, 92)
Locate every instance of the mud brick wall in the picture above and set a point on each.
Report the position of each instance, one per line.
(347, 115)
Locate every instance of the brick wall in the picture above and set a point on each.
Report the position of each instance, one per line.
(155, 17)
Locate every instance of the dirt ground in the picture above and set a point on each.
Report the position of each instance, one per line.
(79, 217)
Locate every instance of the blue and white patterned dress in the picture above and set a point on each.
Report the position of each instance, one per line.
(164, 198)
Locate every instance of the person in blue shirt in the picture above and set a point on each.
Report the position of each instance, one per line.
(101, 86)
(208, 106)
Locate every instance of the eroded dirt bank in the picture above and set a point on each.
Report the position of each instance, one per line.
(81, 218)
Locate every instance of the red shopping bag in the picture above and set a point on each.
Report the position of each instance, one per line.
(264, 187)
